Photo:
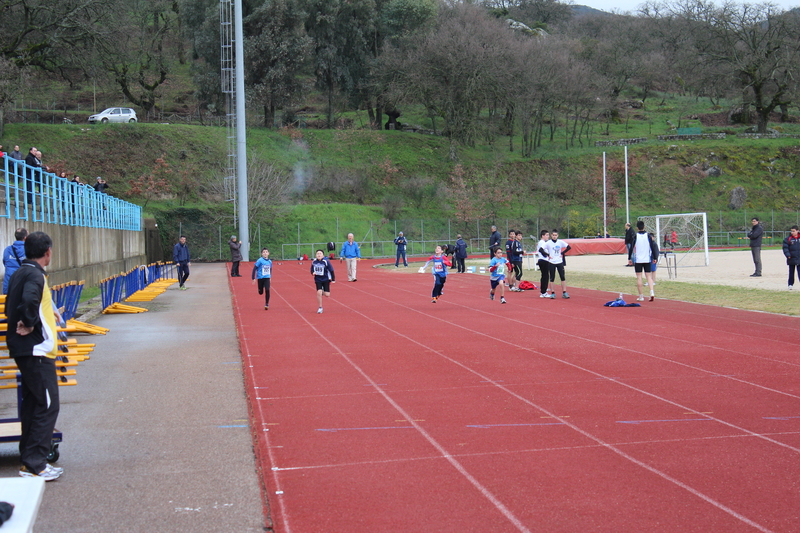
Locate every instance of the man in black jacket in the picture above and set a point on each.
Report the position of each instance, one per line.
(630, 237)
(494, 241)
(755, 236)
(33, 344)
(34, 173)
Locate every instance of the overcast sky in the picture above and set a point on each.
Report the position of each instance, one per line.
(631, 5)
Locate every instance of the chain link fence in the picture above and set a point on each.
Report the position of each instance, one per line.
(209, 242)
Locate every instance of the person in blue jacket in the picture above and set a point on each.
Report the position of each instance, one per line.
(351, 253)
(180, 254)
(13, 256)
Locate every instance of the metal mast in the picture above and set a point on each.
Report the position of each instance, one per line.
(232, 79)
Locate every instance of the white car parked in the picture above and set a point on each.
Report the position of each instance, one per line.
(114, 114)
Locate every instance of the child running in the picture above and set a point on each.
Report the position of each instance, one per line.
(498, 266)
(263, 271)
(322, 270)
(440, 264)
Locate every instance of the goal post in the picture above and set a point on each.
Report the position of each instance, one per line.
(691, 230)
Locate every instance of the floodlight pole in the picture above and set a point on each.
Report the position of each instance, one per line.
(627, 201)
(605, 203)
(241, 135)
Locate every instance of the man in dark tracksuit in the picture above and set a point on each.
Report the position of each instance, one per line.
(180, 254)
(755, 235)
(32, 343)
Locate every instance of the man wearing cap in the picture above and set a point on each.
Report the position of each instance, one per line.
(236, 256)
(401, 243)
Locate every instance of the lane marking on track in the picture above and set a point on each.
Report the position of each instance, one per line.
(669, 420)
(616, 450)
(333, 430)
(487, 426)
(495, 501)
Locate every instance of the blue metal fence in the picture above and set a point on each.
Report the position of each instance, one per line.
(32, 194)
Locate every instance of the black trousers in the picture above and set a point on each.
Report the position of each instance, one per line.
(234, 268)
(39, 409)
(544, 269)
(460, 264)
(183, 273)
(263, 288)
(756, 251)
(438, 285)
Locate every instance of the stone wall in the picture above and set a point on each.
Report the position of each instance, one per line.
(693, 137)
(89, 254)
(621, 142)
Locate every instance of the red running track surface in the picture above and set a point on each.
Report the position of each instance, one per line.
(389, 413)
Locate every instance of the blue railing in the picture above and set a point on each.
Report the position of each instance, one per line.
(31, 194)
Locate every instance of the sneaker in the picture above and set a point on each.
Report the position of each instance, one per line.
(319, 311)
(543, 295)
(266, 308)
(755, 275)
(565, 295)
(502, 300)
(552, 296)
(48, 474)
(433, 300)
(640, 299)
(491, 296)
(652, 298)
(790, 287)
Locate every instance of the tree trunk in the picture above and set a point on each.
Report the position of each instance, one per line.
(784, 113)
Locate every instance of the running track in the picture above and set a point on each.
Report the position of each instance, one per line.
(387, 413)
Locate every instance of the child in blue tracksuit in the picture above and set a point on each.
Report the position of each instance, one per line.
(262, 271)
(440, 264)
(322, 270)
(498, 267)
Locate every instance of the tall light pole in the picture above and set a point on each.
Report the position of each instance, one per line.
(241, 135)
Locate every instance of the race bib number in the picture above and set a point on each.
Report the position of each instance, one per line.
(319, 270)
(438, 267)
(266, 271)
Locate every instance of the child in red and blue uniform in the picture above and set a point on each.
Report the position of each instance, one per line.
(440, 264)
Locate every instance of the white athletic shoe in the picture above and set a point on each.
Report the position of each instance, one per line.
(319, 311)
(48, 474)
(543, 295)
(640, 299)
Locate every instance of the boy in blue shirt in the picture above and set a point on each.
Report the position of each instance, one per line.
(498, 266)
(440, 264)
(322, 270)
(263, 271)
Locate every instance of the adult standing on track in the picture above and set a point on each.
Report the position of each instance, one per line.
(643, 255)
(494, 241)
(755, 235)
(461, 254)
(401, 243)
(791, 249)
(351, 253)
(236, 256)
(180, 254)
(31, 340)
(630, 237)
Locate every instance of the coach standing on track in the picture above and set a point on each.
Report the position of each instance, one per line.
(755, 235)
(351, 253)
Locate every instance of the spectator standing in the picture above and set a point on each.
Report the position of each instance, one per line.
(16, 154)
(33, 173)
(461, 254)
(100, 185)
(755, 235)
(236, 256)
(401, 244)
(791, 249)
(31, 340)
(351, 253)
(642, 256)
(555, 250)
(543, 262)
(180, 254)
(494, 241)
(517, 253)
(630, 237)
(13, 256)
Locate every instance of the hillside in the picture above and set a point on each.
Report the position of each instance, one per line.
(403, 176)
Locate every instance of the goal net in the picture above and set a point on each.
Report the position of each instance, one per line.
(686, 234)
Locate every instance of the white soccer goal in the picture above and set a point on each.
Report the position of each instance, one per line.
(692, 233)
